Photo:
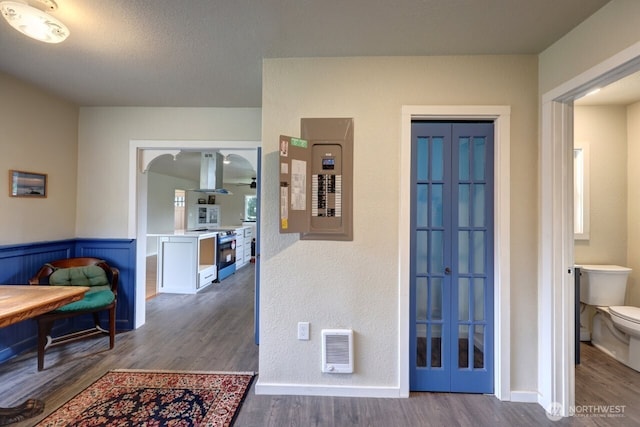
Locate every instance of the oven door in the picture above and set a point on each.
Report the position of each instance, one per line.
(226, 252)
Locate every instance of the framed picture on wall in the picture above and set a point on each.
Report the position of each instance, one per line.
(27, 184)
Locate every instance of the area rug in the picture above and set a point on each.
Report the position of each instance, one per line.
(156, 398)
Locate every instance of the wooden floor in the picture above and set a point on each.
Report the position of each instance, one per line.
(152, 277)
(213, 331)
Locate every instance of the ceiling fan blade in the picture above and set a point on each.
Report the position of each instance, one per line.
(252, 184)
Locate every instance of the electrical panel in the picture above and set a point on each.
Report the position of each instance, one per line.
(316, 180)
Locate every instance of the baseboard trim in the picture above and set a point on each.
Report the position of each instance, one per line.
(350, 391)
(325, 390)
(524, 396)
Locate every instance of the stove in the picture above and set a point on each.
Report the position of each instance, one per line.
(226, 252)
(225, 235)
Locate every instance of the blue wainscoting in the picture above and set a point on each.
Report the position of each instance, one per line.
(18, 263)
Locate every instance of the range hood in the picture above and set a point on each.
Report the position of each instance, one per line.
(211, 174)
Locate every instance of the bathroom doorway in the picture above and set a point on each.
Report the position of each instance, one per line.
(605, 135)
(557, 381)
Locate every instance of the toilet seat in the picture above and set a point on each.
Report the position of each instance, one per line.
(628, 313)
(627, 319)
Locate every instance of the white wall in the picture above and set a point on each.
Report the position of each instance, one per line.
(160, 205)
(608, 31)
(232, 206)
(355, 284)
(633, 204)
(103, 140)
(39, 133)
(160, 201)
(604, 130)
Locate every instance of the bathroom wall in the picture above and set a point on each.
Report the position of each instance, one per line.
(613, 136)
(633, 204)
(604, 130)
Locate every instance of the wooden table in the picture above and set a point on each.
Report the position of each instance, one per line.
(21, 302)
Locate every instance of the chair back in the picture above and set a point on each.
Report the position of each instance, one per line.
(84, 271)
(91, 275)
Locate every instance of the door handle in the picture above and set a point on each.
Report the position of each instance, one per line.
(447, 270)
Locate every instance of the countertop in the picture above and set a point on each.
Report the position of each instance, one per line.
(205, 233)
(185, 233)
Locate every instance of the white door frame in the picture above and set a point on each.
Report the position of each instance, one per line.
(137, 218)
(501, 115)
(556, 293)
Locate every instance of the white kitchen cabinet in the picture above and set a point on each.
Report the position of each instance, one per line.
(186, 262)
(248, 237)
(240, 252)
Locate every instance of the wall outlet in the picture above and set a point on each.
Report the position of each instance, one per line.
(303, 331)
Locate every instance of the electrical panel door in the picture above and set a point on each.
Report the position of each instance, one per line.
(316, 180)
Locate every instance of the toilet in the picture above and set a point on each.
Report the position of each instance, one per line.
(615, 328)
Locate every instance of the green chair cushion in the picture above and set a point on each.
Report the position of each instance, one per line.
(92, 276)
(92, 299)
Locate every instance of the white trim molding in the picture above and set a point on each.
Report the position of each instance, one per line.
(324, 390)
(501, 115)
(524, 396)
(556, 292)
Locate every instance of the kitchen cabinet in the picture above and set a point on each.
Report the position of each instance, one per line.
(240, 255)
(248, 237)
(244, 235)
(186, 261)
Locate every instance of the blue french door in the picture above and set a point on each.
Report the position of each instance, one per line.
(452, 257)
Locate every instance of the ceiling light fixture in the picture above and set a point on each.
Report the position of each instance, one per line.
(226, 160)
(34, 22)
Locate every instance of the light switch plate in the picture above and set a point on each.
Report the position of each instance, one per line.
(303, 331)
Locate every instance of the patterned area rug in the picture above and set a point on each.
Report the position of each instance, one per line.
(152, 398)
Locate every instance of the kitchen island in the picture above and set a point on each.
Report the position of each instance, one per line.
(186, 261)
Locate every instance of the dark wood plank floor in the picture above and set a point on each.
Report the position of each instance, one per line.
(213, 330)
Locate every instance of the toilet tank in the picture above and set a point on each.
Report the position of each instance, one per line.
(603, 285)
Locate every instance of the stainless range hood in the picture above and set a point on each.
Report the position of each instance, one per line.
(211, 173)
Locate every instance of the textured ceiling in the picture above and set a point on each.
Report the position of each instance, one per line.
(208, 53)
